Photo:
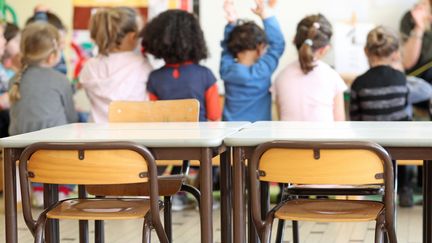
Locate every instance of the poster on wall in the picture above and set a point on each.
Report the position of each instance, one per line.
(83, 9)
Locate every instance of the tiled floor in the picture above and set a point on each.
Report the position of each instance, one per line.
(186, 229)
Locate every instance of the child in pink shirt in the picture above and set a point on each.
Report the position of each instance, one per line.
(117, 73)
(309, 89)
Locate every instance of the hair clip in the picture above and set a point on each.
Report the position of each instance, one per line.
(308, 42)
(316, 25)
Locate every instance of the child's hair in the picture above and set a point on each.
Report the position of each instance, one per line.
(382, 42)
(175, 36)
(11, 30)
(246, 36)
(313, 32)
(47, 17)
(109, 26)
(38, 41)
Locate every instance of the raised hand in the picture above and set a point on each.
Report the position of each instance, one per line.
(421, 15)
(230, 11)
(259, 9)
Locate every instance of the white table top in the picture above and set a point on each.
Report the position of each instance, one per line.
(187, 134)
(403, 134)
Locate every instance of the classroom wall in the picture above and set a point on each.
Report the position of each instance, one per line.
(289, 12)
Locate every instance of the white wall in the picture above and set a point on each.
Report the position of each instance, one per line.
(290, 12)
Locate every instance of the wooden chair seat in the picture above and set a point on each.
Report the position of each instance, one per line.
(100, 209)
(329, 210)
(168, 186)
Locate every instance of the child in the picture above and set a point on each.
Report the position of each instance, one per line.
(117, 72)
(309, 89)
(382, 93)
(250, 55)
(176, 37)
(40, 96)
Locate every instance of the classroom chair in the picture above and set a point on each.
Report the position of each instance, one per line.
(186, 110)
(329, 165)
(92, 164)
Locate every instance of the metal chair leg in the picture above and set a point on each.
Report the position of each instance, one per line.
(280, 231)
(39, 230)
(83, 224)
(99, 231)
(379, 230)
(168, 217)
(192, 190)
(146, 238)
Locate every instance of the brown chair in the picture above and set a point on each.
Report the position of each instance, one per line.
(92, 164)
(186, 110)
(327, 164)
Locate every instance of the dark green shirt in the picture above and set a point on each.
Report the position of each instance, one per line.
(406, 26)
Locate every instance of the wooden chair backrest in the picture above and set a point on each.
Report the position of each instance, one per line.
(95, 167)
(154, 111)
(323, 166)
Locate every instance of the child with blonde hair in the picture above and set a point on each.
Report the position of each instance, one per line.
(117, 72)
(40, 96)
(309, 89)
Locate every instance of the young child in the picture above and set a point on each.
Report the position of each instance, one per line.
(250, 55)
(176, 37)
(382, 94)
(309, 89)
(117, 72)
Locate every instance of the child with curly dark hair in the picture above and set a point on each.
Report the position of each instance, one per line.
(176, 37)
(250, 56)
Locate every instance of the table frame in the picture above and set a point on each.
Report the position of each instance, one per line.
(240, 154)
(203, 154)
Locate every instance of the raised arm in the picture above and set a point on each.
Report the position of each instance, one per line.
(227, 59)
(413, 35)
(276, 42)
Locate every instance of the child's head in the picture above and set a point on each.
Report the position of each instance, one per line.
(382, 45)
(114, 29)
(312, 40)
(247, 37)
(53, 19)
(40, 47)
(13, 37)
(175, 36)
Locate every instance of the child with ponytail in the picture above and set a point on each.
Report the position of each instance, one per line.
(40, 96)
(118, 72)
(309, 89)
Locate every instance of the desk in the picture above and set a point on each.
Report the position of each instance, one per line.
(403, 140)
(167, 141)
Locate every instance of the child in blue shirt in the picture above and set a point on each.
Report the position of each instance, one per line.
(250, 56)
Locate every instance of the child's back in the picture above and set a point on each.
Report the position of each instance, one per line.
(46, 101)
(118, 72)
(247, 80)
(119, 76)
(308, 97)
(309, 89)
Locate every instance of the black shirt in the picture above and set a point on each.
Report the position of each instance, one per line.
(380, 94)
